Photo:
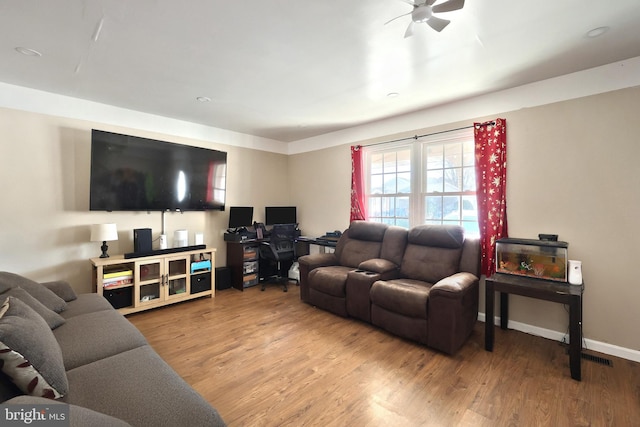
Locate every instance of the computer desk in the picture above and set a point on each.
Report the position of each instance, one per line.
(243, 258)
(322, 242)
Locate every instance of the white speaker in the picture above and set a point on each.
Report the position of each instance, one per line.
(180, 238)
(163, 241)
(198, 239)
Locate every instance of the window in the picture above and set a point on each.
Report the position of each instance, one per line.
(450, 183)
(436, 186)
(389, 186)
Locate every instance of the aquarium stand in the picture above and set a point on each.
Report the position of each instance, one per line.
(546, 290)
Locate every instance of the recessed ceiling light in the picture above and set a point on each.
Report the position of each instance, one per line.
(27, 51)
(393, 95)
(597, 32)
(203, 99)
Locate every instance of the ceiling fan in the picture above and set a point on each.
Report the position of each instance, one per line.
(423, 11)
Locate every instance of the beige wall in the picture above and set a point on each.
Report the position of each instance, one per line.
(45, 217)
(321, 188)
(572, 171)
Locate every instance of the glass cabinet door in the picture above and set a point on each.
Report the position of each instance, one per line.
(177, 277)
(150, 280)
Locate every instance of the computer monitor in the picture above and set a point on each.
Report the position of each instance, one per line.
(240, 216)
(280, 215)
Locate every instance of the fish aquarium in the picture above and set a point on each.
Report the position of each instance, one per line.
(532, 258)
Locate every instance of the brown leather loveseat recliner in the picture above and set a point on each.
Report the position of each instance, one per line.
(421, 284)
(369, 247)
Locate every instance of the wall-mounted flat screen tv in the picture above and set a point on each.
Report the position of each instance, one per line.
(130, 173)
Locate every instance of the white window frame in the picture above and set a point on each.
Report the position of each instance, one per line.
(417, 196)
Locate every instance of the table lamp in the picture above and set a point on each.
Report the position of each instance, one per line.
(104, 233)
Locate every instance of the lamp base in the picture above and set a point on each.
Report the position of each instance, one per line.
(104, 248)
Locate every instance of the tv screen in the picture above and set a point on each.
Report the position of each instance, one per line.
(130, 173)
(280, 215)
(240, 216)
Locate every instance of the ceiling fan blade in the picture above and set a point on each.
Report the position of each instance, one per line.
(417, 3)
(397, 17)
(409, 31)
(448, 6)
(437, 24)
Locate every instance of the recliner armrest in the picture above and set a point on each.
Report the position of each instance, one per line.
(307, 263)
(318, 260)
(378, 265)
(454, 286)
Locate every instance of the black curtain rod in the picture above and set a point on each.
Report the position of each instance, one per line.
(492, 123)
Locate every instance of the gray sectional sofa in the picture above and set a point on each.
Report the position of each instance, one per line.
(57, 347)
(421, 284)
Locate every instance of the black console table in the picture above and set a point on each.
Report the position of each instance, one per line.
(547, 290)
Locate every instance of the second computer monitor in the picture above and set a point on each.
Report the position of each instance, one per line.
(280, 215)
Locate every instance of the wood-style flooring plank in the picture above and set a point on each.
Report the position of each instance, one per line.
(268, 359)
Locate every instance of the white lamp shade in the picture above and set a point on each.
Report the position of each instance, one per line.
(104, 232)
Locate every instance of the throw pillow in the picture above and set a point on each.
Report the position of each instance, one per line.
(52, 318)
(62, 289)
(39, 292)
(29, 352)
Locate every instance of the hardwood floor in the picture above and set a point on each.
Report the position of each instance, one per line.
(268, 359)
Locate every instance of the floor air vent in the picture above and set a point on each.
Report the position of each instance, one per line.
(600, 360)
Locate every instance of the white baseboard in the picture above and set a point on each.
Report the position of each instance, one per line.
(601, 347)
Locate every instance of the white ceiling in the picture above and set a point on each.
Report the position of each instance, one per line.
(293, 69)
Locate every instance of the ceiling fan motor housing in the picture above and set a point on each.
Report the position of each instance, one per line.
(421, 13)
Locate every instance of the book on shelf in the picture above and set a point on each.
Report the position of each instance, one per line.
(115, 274)
(117, 282)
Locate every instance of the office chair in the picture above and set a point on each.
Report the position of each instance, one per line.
(280, 249)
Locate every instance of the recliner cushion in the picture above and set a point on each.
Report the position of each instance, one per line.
(357, 251)
(440, 236)
(429, 264)
(404, 296)
(433, 252)
(330, 280)
(370, 231)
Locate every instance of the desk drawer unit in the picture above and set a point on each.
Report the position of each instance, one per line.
(243, 261)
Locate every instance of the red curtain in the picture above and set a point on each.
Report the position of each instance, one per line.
(358, 210)
(491, 180)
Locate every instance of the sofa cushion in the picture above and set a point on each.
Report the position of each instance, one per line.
(7, 388)
(146, 391)
(39, 292)
(30, 355)
(405, 296)
(52, 318)
(330, 280)
(92, 336)
(86, 303)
